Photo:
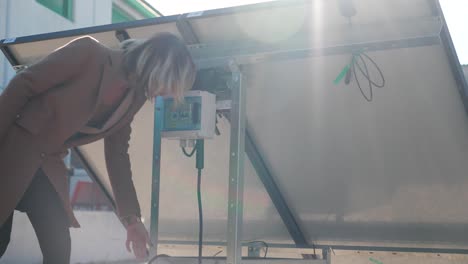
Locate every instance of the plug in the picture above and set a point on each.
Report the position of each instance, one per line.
(347, 8)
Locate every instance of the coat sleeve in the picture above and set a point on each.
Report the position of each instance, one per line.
(120, 173)
(62, 65)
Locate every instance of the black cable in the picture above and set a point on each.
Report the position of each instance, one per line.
(191, 153)
(377, 68)
(365, 72)
(369, 99)
(200, 226)
(199, 149)
(200, 219)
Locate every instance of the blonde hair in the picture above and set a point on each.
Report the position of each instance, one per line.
(160, 65)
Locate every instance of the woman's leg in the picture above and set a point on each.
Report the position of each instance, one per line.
(48, 218)
(5, 232)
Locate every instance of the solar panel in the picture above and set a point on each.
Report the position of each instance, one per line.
(388, 173)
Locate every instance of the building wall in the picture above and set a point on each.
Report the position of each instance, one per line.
(28, 17)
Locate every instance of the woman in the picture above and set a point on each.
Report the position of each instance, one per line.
(80, 93)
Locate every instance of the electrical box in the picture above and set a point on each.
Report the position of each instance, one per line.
(195, 118)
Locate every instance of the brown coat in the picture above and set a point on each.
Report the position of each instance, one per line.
(43, 107)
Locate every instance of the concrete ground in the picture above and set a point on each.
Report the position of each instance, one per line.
(101, 239)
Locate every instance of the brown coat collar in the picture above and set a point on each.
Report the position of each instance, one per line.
(109, 74)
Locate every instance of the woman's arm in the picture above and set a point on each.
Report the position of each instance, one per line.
(120, 175)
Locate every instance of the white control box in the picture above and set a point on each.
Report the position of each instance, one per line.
(194, 119)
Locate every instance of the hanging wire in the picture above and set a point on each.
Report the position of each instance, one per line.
(365, 73)
(360, 61)
(200, 218)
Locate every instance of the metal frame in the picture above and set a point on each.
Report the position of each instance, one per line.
(236, 167)
(185, 29)
(309, 250)
(9, 56)
(91, 30)
(453, 59)
(181, 260)
(211, 56)
(148, 22)
(155, 184)
(273, 191)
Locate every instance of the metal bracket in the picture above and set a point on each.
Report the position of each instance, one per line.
(19, 68)
(254, 251)
(215, 55)
(223, 105)
(233, 66)
(186, 30)
(122, 35)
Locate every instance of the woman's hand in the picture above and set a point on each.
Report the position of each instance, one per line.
(138, 237)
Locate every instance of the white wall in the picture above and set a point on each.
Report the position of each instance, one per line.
(27, 17)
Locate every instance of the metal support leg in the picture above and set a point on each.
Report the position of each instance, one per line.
(236, 169)
(273, 191)
(329, 255)
(158, 119)
(325, 253)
